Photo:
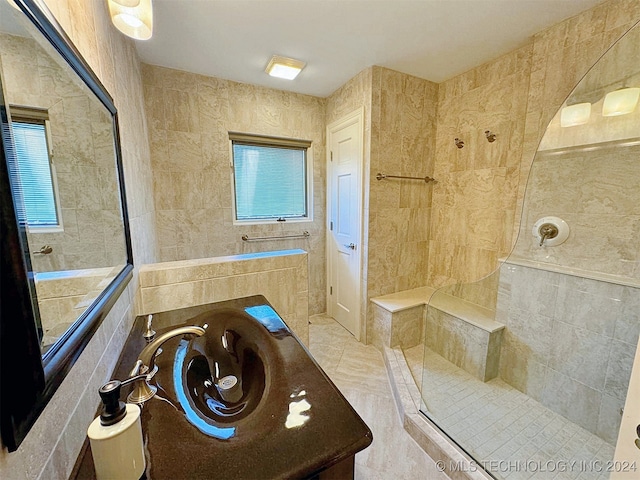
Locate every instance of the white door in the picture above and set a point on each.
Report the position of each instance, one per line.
(344, 198)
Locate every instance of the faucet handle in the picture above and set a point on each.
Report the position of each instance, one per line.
(547, 231)
(150, 333)
(146, 362)
(138, 369)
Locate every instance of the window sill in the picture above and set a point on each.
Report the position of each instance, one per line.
(272, 222)
(35, 230)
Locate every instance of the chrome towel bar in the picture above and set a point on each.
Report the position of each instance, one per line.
(304, 234)
(380, 176)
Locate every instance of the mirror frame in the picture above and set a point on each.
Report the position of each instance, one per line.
(28, 379)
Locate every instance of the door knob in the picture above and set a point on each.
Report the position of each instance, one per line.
(352, 246)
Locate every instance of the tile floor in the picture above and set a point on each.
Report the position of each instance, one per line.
(496, 422)
(359, 372)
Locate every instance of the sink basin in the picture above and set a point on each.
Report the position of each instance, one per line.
(224, 377)
(224, 372)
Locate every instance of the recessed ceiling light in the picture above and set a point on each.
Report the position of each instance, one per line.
(283, 67)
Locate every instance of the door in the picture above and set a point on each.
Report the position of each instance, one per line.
(345, 154)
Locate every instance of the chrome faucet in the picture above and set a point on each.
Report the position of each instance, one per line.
(146, 365)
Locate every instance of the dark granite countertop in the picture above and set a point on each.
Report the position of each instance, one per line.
(292, 422)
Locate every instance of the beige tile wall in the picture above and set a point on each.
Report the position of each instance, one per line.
(79, 135)
(474, 200)
(190, 116)
(281, 277)
(51, 447)
(596, 193)
(403, 129)
(478, 202)
(403, 126)
(64, 296)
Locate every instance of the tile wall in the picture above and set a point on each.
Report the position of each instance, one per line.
(569, 343)
(280, 276)
(403, 126)
(478, 201)
(596, 193)
(562, 55)
(467, 346)
(64, 296)
(82, 154)
(593, 189)
(52, 445)
(189, 118)
(474, 200)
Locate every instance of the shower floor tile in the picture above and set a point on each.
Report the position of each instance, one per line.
(513, 435)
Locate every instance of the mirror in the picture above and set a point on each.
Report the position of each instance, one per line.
(62, 159)
(63, 177)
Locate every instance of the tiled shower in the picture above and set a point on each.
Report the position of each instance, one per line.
(568, 313)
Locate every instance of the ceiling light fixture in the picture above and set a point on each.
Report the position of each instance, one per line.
(127, 3)
(134, 18)
(620, 102)
(573, 115)
(283, 67)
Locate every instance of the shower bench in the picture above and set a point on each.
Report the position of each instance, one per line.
(464, 333)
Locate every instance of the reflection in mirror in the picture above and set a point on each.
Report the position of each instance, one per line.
(63, 174)
(533, 362)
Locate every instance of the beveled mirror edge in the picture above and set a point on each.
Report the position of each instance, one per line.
(59, 360)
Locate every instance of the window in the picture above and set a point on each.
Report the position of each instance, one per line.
(32, 178)
(270, 178)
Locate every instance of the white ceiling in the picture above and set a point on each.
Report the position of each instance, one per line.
(432, 39)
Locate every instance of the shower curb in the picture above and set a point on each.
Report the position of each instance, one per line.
(455, 463)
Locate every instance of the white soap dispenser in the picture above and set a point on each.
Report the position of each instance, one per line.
(116, 437)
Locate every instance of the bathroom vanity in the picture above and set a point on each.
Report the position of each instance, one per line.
(244, 400)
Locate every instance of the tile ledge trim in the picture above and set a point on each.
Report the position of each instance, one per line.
(146, 288)
(576, 272)
(148, 272)
(153, 267)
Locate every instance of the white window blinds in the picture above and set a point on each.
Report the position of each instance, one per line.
(32, 175)
(270, 180)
